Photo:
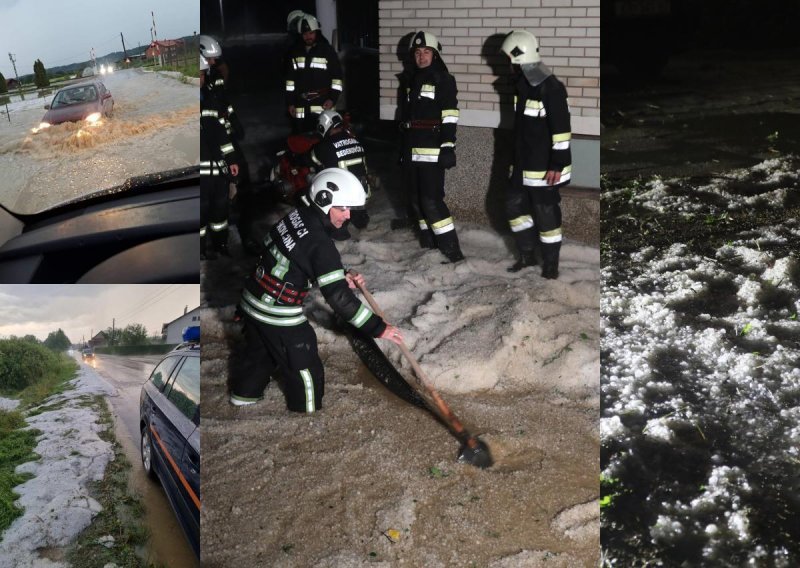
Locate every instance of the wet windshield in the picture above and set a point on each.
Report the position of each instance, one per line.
(77, 95)
(94, 98)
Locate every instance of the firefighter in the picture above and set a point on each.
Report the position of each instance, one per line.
(218, 167)
(542, 157)
(429, 118)
(297, 252)
(339, 148)
(313, 77)
(217, 74)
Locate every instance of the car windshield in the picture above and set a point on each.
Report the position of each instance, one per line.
(74, 96)
(122, 102)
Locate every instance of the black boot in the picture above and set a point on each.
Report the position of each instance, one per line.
(525, 259)
(426, 239)
(550, 270)
(550, 254)
(219, 240)
(453, 256)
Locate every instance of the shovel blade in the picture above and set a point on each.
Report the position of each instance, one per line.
(477, 454)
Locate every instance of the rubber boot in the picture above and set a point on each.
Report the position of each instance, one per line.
(203, 248)
(525, 259)
(550, 270)
(426, 240)
(550, 253)
(453, 256)
(449, 246)
(220, 241)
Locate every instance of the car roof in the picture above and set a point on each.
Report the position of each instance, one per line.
(188, 348)
(80, 85)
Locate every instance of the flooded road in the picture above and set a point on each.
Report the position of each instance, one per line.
(153, 128)
(167, 545)
(700, 419)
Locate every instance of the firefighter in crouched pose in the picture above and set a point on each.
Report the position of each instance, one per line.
(218, 165)
(430, 114)
(339, 148)
(299, 251)
(313, 77)
(542, 157)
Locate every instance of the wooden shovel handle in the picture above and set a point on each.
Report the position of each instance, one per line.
(441, 407)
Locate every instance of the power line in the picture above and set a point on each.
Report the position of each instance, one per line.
(149, 301)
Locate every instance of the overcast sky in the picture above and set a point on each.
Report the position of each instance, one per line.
(80, 309)
(59, 32)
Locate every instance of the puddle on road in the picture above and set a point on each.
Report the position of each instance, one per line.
(167, 545)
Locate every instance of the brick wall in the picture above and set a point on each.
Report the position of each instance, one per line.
(471, 32)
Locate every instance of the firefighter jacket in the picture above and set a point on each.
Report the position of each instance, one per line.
(341, 150)
(216, 84)
(216, 149)
(430, 113)
(312, 77)
(542, 132)
(299, 253)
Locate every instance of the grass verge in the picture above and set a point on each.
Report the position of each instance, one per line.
(16, 444)
(16, 447)
(122, 512)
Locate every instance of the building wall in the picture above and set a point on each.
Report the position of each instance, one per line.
(471, 32)
(175, 328)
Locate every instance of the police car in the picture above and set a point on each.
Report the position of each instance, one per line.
(169, 424)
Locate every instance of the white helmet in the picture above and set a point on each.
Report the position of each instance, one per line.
(209, 47)
(425, 39)
(328, 119)
(203, 63)
(291, 20)
(521, 47)
(307, 23)
(335, 187)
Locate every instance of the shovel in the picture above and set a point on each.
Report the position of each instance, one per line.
(473, 450)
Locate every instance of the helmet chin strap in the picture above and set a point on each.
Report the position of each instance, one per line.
(535, 73)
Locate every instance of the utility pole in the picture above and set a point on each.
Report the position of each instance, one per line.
(113, 323)
(14, 65)
(124, 51)
(155, 39)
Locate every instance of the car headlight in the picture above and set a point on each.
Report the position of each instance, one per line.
(102, 69)
(110, 69)
(94, 117)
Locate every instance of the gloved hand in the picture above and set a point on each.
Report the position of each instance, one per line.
(447, 157)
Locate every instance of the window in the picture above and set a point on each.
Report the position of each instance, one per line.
(185, 392)
(162, 372)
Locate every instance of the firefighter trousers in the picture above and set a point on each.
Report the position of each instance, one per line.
(214, 206)
(290, 349)
(534, 212)
(426, 202)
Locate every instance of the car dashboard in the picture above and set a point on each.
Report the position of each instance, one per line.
(137, 233)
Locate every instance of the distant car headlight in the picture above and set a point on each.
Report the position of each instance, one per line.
(102, 69)
(110, 69)
(94, 117)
